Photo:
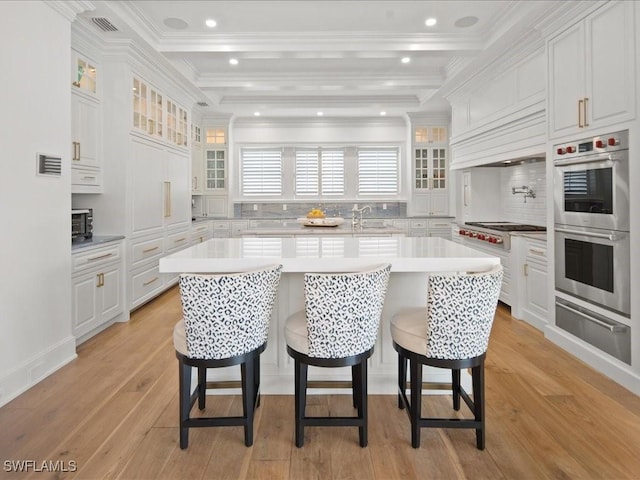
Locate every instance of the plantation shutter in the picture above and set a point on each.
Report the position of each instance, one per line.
(261, 171)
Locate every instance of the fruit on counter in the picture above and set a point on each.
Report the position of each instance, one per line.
(316, 213)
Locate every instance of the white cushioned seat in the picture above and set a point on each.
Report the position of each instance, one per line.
(409, 329)
(180, 338)
(296, 334)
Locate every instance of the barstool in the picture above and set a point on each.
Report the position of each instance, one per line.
(338, 328)
(451, 332)
(225, 322)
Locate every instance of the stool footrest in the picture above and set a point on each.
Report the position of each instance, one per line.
(333, 421)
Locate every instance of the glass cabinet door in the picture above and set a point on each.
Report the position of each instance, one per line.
(430, 158)
(85, 75)
(215, 169)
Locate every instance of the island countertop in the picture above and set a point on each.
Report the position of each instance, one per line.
(327, 254)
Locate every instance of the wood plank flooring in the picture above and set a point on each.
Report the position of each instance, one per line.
(113, 413)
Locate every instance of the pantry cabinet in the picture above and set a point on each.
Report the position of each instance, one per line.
(97, 289)
(592, 71)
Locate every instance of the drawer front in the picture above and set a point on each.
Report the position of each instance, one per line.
(145, 284)
(220, 226)
(237, 227)
(439, 224)
(146, 249)
(418, 224)
(201, 229)
(537, 253)
(85, 177)
(95, 257)
(177, 241)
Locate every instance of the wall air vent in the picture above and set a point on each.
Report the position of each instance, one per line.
(104, 24)
(48, 165)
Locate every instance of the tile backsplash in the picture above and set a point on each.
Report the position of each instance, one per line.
(332, 209)
(514, 207)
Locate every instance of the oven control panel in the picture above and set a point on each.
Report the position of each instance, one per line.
(604, 143)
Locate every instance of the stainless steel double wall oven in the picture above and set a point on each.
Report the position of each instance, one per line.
(592, 248)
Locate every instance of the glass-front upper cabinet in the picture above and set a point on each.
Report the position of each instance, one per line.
(84, 74)
(177, 124)
(148, 111)
(215, 159)
(430, 158)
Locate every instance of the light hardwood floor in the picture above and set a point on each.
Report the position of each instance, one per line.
(113, 412)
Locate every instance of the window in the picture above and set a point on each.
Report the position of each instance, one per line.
(261, 171)
(319, 171)
(377, 171)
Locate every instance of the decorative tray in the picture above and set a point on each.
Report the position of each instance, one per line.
(321, 222)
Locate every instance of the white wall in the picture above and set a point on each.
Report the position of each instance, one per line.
(35, 251)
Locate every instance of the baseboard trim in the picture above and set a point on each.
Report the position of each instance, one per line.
(36, 368)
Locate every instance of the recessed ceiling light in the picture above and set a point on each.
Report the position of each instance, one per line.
(320, 114)
(256, 114)
(405, 60)
(233, 61)
(383, 113)
(430, 22)
(211, 23)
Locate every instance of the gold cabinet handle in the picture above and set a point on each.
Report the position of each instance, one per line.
(150, 281)
(167, 199)
(537, 252)
(526, 270)
(580, 108)
(147, 250)
(180, 240)
(76, 151)
(100, 280)
(584, 111)
(99, 257)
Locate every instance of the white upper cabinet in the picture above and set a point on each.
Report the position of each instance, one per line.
(592, 71)
(85, 127)
(430, 171)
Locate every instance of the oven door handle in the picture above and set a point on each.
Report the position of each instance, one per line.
(597, 321)
(577, 161)
(611, 237)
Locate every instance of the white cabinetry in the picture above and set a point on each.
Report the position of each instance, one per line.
(201, 232)
(210, 206)
(530, 272)
(430, 171)
(86, 173)
(592, 80)
(97, 289)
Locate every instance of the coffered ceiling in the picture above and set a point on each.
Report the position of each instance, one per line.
(299, 58)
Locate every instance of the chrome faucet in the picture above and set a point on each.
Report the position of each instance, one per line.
(358, 221)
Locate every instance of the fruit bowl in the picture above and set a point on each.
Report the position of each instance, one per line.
(321, 222)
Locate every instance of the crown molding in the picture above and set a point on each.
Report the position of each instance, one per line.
(70, 9)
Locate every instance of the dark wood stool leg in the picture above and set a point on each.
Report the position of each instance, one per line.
(402, 379)
(256, 372)
(300, 399)
(202, 387)
(477, 376)
(248, 399)
(416, 401)
(362, 400)
(455, 388)
(355, 386)
(184, 380)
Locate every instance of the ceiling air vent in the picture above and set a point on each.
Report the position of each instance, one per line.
(203, 104)
(104, 24)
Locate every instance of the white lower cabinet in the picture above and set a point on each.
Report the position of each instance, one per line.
(531, 279)
(146, 282)
(97, 289)
(201, 232)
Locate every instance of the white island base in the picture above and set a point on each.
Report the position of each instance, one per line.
(411, 260)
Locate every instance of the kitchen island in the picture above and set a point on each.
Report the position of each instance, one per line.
(411, 259)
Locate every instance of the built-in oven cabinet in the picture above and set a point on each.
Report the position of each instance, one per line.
(529, 260)
(592, 71)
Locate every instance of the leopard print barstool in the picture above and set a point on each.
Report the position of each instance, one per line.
(225, 322)
(338, 328)
(451, 332)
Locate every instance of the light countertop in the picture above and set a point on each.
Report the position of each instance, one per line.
(95, 241)
(327, 254)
